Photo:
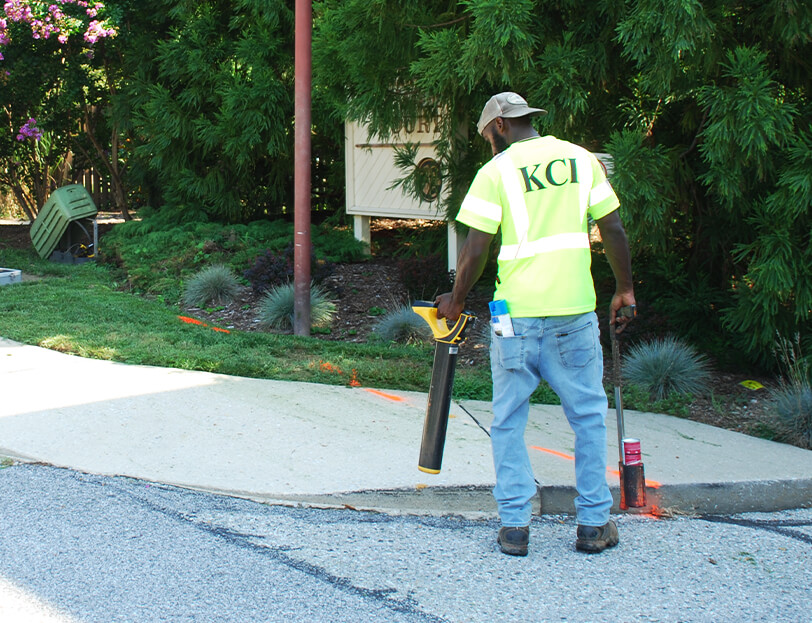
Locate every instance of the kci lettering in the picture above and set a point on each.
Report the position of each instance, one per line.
(553, 173)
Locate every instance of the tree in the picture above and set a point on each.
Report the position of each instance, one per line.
(46, 70)
(705, 107)
(208, 95)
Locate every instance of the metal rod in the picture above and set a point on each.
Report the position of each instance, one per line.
(621, 432)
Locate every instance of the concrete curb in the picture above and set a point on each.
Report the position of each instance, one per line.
(727, 498)
(688, 499)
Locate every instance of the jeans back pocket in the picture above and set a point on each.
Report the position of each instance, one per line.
(509, 351)
(577, 346)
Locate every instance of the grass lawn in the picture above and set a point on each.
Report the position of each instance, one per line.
(81, 310)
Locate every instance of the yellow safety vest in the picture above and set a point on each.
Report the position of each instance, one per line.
(540, 191)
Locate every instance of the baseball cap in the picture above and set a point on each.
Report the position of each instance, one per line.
(507, 104)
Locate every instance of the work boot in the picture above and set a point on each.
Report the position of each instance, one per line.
(595, 539)
(513, 541)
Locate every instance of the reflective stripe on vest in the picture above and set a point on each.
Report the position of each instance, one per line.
(547, 244)
(521, 220)
(515, 197)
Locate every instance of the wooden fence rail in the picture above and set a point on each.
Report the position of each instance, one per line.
(97, 185)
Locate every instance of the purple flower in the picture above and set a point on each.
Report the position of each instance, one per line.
(29, 130)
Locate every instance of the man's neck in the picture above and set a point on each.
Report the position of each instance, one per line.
(524, 135)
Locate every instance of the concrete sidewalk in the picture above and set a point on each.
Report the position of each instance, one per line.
(314, 444)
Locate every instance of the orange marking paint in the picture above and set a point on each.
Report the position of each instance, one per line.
(651, 484)
(391, 397)
(328, 367)
(188, 320)
(657, 513)
(554, 453)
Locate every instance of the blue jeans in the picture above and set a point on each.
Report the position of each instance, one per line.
(564, 351)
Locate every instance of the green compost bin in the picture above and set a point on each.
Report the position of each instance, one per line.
(56, 221)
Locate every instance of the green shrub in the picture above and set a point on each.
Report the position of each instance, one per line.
(164, 246)
(402, 325)
(664, 366)
(277, 307)
(215, 285)
(337, 244)
(275, 269)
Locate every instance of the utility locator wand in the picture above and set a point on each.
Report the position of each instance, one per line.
(447, 341)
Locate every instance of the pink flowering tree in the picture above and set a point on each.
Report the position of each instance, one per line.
(51, 84)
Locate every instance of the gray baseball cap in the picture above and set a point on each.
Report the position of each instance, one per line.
(507, 104)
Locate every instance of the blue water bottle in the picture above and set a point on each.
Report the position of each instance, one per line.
(500, 318)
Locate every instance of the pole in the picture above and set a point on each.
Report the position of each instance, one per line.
(301, 168)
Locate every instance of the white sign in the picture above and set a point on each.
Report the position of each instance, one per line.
(371, 171)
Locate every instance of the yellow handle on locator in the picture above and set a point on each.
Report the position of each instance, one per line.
(439, 327)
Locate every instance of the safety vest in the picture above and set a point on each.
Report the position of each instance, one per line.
(540, 192)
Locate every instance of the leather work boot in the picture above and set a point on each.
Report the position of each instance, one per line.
(594, 540)
(513, 541)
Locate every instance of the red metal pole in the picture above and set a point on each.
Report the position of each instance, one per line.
(301, 168)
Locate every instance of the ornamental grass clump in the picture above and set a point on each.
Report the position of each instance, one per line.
(791, 401)
(792, 404)
(277, 306)
(665, 366)
(215, 285)
(403, 326)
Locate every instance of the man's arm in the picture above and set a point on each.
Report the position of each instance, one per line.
(470, 264)
(616, 246)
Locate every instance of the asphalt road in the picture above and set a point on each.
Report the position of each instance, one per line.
(83, 548)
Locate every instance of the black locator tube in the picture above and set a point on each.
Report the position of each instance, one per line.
(439, 404)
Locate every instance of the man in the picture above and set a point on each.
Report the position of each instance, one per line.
(539, 190)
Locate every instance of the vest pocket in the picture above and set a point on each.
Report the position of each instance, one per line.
(576, 347)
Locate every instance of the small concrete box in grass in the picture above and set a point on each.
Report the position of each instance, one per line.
(10, 275)
(65, 229)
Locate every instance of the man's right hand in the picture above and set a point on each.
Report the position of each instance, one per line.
(447, 308)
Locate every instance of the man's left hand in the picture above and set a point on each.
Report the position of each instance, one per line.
(620, 300)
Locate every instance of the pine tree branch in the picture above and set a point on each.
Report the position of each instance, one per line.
(462, 18)
(650, 128)
(696, 136)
